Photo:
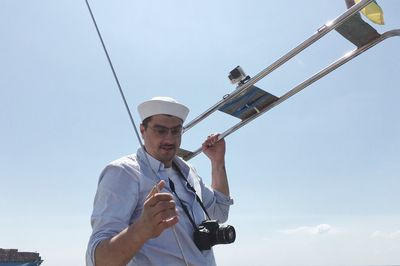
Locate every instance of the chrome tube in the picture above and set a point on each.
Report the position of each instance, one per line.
(341, 61)
(327, 27)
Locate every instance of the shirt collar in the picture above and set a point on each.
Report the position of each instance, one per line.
(156, 165)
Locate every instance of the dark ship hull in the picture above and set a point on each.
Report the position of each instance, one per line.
(11, 257)
(36, 263)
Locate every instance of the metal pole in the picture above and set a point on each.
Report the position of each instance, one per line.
(341, 61)
(327, 27)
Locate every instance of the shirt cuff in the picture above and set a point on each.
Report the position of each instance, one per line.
(221, 198)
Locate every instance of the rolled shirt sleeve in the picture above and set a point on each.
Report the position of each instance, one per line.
(115, 201)
(216, 203)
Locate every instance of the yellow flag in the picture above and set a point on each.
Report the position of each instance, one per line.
(373, 12)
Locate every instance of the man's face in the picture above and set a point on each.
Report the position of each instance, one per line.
(162, 137)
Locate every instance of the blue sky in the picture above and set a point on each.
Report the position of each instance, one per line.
(315, 180)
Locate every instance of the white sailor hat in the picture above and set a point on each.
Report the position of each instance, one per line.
(162, 105)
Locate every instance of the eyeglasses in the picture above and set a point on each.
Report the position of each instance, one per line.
(162, 131)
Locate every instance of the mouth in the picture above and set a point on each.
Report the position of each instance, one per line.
(167, 147)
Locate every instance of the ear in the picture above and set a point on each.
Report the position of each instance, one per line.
(142, 129)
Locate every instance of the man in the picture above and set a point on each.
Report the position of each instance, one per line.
(138, 215)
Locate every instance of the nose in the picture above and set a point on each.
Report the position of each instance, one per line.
(170, 136)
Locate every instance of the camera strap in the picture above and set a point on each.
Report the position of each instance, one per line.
(191, 188)
(184, 207)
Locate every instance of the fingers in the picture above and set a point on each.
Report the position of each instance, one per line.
(214, 144)
(214, 148)
(156, 198)
(165, 215)
(164, 211)
(157, 188)
(165, 208)
(168, 223)
(211, 140)
(159, 212)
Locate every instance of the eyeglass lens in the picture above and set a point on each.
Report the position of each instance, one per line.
(163, 131)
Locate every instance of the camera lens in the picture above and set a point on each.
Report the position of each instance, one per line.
(226, 234)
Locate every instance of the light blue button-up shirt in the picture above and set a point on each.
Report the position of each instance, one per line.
(122, 189)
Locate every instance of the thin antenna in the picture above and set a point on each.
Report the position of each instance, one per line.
(114, 74)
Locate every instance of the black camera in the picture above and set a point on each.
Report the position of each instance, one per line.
(210, 233)
(237, 75)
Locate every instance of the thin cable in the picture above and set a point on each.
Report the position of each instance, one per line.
(115, 74)
(130, 116)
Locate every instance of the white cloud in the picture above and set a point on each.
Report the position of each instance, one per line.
(386, 235)
(337, 241)
(320, 229)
